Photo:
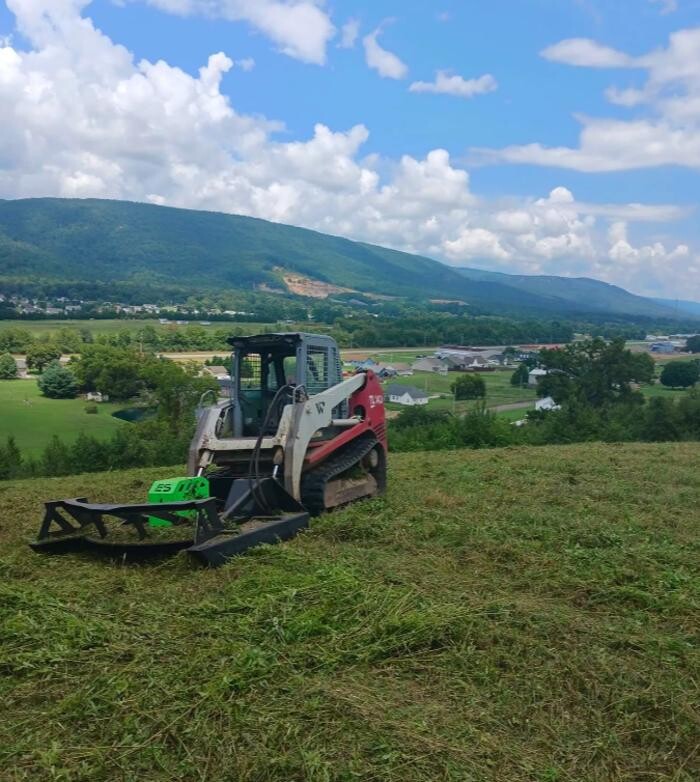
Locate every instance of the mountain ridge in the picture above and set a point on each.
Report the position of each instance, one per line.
(115, 241)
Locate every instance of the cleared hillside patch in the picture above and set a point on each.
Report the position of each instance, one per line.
(519, 614)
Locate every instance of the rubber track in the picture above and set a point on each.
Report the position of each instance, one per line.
(313, 484)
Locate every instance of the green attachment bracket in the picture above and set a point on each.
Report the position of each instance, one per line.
(177, 490)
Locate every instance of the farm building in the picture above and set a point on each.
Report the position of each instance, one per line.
(534, 375)
(405, 395)
(430, 365)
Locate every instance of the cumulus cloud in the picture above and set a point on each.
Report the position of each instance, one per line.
(246, 64)
(453, 84)
(83, 118)
(386, 63)
(300, 28)
(348, 34)
(668, 135)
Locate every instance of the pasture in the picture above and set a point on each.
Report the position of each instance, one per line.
(32, 419)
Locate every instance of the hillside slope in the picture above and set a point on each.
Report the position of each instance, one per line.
(681, 306)
(598, 295)
(522, 615)
(97, 240)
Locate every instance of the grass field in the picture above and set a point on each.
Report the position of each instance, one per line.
(46, 327)
(499, 391)
(33, 419)
(518, 615)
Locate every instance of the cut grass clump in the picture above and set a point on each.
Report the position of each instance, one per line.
(522, 615)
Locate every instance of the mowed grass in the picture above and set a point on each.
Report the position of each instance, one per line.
(499, 391)
(33, 419)
(519, 615)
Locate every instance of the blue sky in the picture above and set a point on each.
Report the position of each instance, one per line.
(484, 166)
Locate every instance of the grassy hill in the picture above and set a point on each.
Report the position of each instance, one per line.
(100, 241)
(521, 615)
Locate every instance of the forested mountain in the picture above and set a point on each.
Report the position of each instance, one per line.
(683, 308)
(85, 241)
(575, 291)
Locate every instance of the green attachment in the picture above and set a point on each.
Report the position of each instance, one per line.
(177, 490)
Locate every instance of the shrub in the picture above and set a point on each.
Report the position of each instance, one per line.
(469, 387)
(58, 382)
(8, 367)
(91, 408)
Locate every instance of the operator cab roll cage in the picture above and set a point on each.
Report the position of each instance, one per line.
(261, 367)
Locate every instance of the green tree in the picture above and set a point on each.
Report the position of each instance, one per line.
(98, 359)
(661, 421)
(120, 379)
(680, 374)
(58, 382)
(469, 387)
(68, 340)
(693, 344)
(520, 376)
(14, 340)
(594, 372)
(10, 459)
(8, 367)
(40, 354)
(55, 459)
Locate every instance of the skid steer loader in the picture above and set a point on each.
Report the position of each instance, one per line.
(291, 440)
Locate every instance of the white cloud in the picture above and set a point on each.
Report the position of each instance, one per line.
(476, 243)
(386, 63)
(586, 53)
(348, 34)
(83, 118)
(246, 64)
(300, 28)
(669, 134)
(452, 84)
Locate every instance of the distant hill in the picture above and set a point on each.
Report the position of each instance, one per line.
(683, 308)
(116, 242)
(579, 291)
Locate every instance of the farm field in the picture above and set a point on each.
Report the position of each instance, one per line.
(657, 390)
(33, 419)
(499, 391)
(96, 327)
(527, 615)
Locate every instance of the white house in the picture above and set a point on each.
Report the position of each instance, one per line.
(534, 375)
(96, 396)
(405, 395)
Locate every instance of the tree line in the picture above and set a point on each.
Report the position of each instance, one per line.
(596, 385)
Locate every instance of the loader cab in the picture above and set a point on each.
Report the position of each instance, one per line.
(263, 365)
